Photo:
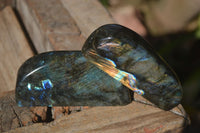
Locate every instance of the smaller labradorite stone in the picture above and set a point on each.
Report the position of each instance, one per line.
(128, 52)
(67, 79)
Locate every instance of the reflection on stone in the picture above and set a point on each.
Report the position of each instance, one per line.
(108, 66)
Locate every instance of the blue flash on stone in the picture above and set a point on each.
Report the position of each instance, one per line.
(38, 88)
(47, 84)
(32, 98)
(29, 86)
(19, 103)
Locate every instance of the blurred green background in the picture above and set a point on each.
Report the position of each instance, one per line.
(173, 28)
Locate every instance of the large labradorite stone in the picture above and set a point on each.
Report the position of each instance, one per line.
(132, 54)
(67, 79)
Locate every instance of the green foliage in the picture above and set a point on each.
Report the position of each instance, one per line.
(105, 2)
(197, 33)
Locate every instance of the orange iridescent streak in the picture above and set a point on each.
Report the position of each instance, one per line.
(109, 67)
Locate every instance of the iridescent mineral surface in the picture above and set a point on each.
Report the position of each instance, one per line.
(124, 50)
(67, 79)
(114, 60)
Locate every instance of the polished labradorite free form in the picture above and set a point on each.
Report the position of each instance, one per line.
(115, 60)
(128, 52)
(67, 79)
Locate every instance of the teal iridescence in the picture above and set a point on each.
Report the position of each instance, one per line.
(67, 79)
(132, 54)
(114, 59)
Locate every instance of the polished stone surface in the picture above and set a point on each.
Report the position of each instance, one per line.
(67, 79)
(128, 58)
(114, 61)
